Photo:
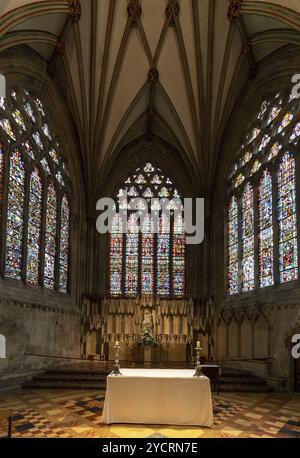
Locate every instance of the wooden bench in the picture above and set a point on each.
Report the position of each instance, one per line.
(213, 372)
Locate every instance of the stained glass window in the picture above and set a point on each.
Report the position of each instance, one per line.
(267, 187)
(15, 217)
(132, 255)
(288, 256)
(265, 240)
(247, 239)
(116, 257)
(150, 259)
(233, 245)
(147, 264)
(34, 227)
(64, 247)
(163, 257)
(50, 237)
(178, 257)
(22, 121)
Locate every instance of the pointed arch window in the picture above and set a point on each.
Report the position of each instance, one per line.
(36, 216)
(150, 259)
(265, 194)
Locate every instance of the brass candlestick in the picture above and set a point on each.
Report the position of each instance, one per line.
(116, 369)
(198, 367)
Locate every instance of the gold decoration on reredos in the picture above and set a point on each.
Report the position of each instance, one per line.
(134, 9)
(234, 10)
(75, 10)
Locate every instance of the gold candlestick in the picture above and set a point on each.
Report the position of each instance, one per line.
(198, 367)
(116, 369)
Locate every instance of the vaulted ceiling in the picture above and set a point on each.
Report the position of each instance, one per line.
(166, 68)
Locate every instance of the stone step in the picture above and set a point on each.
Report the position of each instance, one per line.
(72, 377)
(236, 388)
(64, 386)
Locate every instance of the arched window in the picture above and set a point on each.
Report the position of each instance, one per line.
(36, 219)
(262, 247)
(150, 259)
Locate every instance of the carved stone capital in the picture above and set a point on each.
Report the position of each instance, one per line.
(75, 10)
(234, 11)
(153, 75)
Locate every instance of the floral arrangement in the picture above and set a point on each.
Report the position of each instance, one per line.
(147, 338)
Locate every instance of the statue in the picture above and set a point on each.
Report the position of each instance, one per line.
(147, 320)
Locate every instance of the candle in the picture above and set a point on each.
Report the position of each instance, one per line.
(198, 343)
(117, 343)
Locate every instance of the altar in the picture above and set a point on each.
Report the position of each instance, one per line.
(158, 396)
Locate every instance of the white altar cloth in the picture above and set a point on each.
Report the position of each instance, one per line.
(158, 396)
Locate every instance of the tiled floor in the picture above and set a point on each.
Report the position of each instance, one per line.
(50, 413)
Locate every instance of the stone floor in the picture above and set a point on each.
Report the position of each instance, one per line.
(51, 413)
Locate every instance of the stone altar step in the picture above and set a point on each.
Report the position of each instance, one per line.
(91, 376)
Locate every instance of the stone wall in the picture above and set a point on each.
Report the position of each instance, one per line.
(259, 339)
(35, 330)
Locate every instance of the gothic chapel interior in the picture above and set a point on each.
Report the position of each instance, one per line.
(155, 99)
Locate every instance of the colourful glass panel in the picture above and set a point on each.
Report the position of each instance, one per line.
(132, 256)
(247, 239)
(147, 261)
(265, 238)
(233, 245)
(178, 261)
(116, 257)
(163, 257)
(64, 247)
(288, 256)
(34, 228)
(15, 217)
(50, 237)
